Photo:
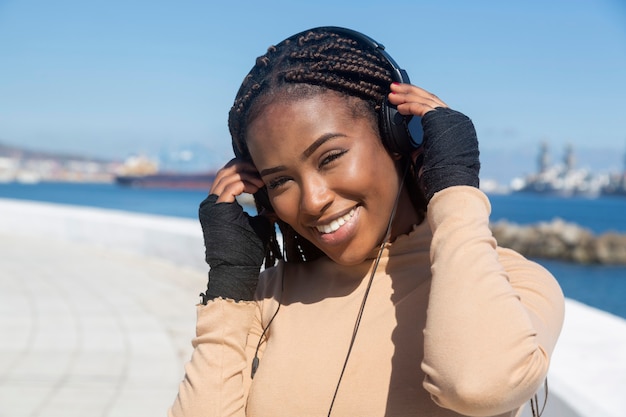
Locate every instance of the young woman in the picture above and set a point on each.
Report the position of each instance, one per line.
(389, 296)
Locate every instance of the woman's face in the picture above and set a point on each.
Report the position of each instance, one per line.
(328, 175)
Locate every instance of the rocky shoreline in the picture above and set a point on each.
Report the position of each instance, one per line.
(561, 240)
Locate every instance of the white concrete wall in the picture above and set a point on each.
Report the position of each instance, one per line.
(588, 372)
(175, 239)
(588, 367)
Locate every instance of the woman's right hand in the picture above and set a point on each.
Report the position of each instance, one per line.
(235, 242)
(235, 178)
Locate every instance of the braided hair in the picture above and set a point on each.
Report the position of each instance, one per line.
(307, 64)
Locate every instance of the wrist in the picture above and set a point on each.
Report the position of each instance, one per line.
(232, 282)
(451, 155)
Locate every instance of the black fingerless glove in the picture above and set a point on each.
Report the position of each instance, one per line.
(450, 151)
(235, 246)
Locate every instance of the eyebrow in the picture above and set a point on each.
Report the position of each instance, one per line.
(319, 142)
(273, 170)
(307, 152)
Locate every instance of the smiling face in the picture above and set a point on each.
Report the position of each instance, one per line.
(328, 174)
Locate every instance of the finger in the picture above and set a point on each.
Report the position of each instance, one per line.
(238, 165)
(234, 179)
(410, 99)
(233, 189)
(416, 92)
(237, 182)
(426, 100)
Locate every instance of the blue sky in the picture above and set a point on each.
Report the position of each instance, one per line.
(112, 78)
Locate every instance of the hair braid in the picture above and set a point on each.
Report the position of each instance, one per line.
(320, 58)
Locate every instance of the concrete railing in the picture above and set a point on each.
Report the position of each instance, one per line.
(587, 375)
(174, 239)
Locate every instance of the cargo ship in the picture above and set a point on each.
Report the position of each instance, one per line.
(142, 172)
(198, 181)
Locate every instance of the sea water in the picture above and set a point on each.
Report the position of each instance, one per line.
(600, 286)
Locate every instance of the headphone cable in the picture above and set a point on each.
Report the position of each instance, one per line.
(255, 360)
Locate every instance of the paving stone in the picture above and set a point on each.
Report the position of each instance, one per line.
(91, 331)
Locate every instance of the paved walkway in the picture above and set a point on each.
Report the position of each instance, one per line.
(88, 331)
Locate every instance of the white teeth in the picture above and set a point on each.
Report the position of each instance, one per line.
(335, 224)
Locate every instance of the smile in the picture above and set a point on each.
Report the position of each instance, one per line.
(335, 224)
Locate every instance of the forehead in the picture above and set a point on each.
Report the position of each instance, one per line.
(300, 96)
(294, 122)
(295, 92)
(289, 121)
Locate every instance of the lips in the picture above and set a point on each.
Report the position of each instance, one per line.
(335, 224)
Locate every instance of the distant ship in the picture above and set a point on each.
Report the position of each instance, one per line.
(197, 181)
(143, 172)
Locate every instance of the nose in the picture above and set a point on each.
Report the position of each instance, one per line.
(316, 196)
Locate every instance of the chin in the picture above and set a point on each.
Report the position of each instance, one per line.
(350, 259)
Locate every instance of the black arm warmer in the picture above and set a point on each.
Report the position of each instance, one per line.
(450, 151)
(235, 246)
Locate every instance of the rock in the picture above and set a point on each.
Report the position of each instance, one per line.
(611, 248)
(561, 240)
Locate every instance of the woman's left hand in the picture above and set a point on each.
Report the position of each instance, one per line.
(450, 149)
(410, 99)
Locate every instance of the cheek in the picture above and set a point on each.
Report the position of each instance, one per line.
(378, 172)
(285, 206)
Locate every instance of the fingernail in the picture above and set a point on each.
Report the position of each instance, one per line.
(395, 83)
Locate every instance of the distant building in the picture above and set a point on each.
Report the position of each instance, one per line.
(617, 182)
(562, 179)
(27, 166)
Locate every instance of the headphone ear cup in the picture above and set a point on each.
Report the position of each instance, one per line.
(401, 134)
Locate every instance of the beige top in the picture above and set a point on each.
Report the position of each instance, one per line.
(453, 325)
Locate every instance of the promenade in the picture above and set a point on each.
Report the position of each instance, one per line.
(97, 312)
(88, 331)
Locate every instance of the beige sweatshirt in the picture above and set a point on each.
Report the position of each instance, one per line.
(453, 325)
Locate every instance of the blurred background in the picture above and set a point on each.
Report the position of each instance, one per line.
(118, 79)
(113, 121)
